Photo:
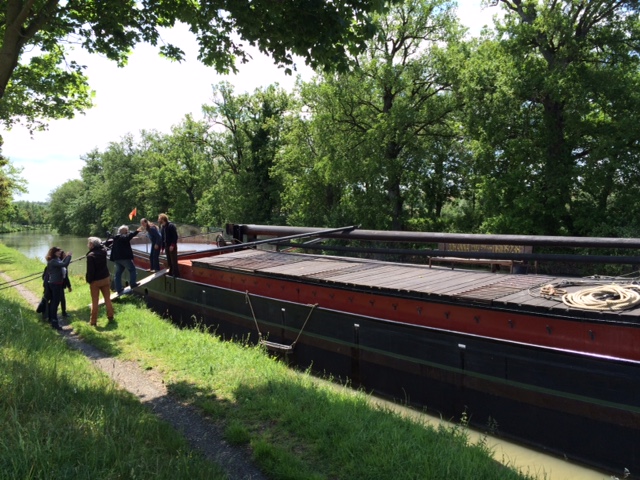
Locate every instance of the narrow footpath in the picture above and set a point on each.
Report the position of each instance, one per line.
(200, 432)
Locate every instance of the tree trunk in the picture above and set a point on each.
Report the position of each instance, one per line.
(22, 22)
(557, 175)
(392, 184)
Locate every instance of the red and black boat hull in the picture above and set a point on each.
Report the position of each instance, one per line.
(585, 407)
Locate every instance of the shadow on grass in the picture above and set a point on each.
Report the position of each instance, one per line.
(85, 418)
(8, 259)
(108, 346)
(334, 431)
(187, 390)
(79, 323)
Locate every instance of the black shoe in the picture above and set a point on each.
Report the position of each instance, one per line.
(55, 324)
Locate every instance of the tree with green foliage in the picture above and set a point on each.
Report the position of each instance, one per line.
(157, 173)
(245, 134)
(30, 213)
(552, 106)
(120, 164)
(174, 171)
(384, 132)
(93, 201)
(38, 82)
(10, 183)
(62, 208)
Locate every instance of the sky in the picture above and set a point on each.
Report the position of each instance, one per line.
(150, 93)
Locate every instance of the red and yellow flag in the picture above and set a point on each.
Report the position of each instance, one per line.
(133, 213)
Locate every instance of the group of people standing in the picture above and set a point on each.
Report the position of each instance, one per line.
(165, 239)
(98, 276)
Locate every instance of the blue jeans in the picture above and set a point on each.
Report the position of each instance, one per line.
(154, 258)
(56, 295)
(121, 265)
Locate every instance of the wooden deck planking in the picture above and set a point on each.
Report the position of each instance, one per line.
(366, 272)
(441, 286)
(358, 278)
(383, 277)
(402, 282)
(462, 283)
(525, 298)
(522, 298)
(473, 283)
(399, 282)
(306, 268)
(500, 289)
(250, 260)
(227, 256)
(437, 277)
(330, 276)
(364, 281)
(516, 286)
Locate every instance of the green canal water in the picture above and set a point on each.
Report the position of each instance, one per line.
(36, 244)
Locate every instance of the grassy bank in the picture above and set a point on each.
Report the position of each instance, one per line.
(61, 419)
(296, 427)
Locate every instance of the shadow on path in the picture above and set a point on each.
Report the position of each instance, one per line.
(148, 386)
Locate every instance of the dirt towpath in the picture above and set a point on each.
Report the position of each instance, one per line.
(201, 433)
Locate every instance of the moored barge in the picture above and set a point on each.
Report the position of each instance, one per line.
(495, 346)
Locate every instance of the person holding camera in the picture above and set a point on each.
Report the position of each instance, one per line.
(56, 262)
(98, 278)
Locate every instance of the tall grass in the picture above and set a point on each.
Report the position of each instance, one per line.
(60, 418)
(297, 427)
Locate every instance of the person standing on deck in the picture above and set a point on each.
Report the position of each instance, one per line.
(169, 243)
(122, 256)
(55, 264)
(97, 277)
(156, 241)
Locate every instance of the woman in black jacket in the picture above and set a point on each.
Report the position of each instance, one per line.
(98, 278)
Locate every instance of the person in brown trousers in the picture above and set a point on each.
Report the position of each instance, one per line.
(98, 278)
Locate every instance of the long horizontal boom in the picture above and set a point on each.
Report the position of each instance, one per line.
(438, 237)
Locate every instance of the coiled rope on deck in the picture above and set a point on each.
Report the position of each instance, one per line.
(605, 297)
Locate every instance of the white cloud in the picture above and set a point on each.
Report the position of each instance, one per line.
(150, 93)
